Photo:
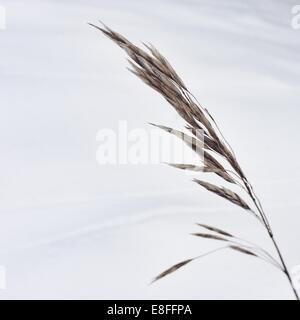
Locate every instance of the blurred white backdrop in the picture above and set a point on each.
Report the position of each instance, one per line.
(71, 228)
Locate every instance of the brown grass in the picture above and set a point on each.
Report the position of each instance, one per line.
(206, 139)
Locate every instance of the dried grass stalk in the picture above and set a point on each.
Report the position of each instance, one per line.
(224, 193)
(242, 250)
(209, 236)
(154, 70)
(214, 229)
(172, 269)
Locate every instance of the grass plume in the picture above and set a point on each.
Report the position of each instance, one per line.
(149, 65)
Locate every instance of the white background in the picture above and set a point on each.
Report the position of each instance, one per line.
(71, 228)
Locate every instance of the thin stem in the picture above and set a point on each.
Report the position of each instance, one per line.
(252, 245)
(270, 232)
(286, 271)
(210, 252)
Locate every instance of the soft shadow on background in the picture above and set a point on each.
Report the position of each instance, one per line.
(71, 228)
